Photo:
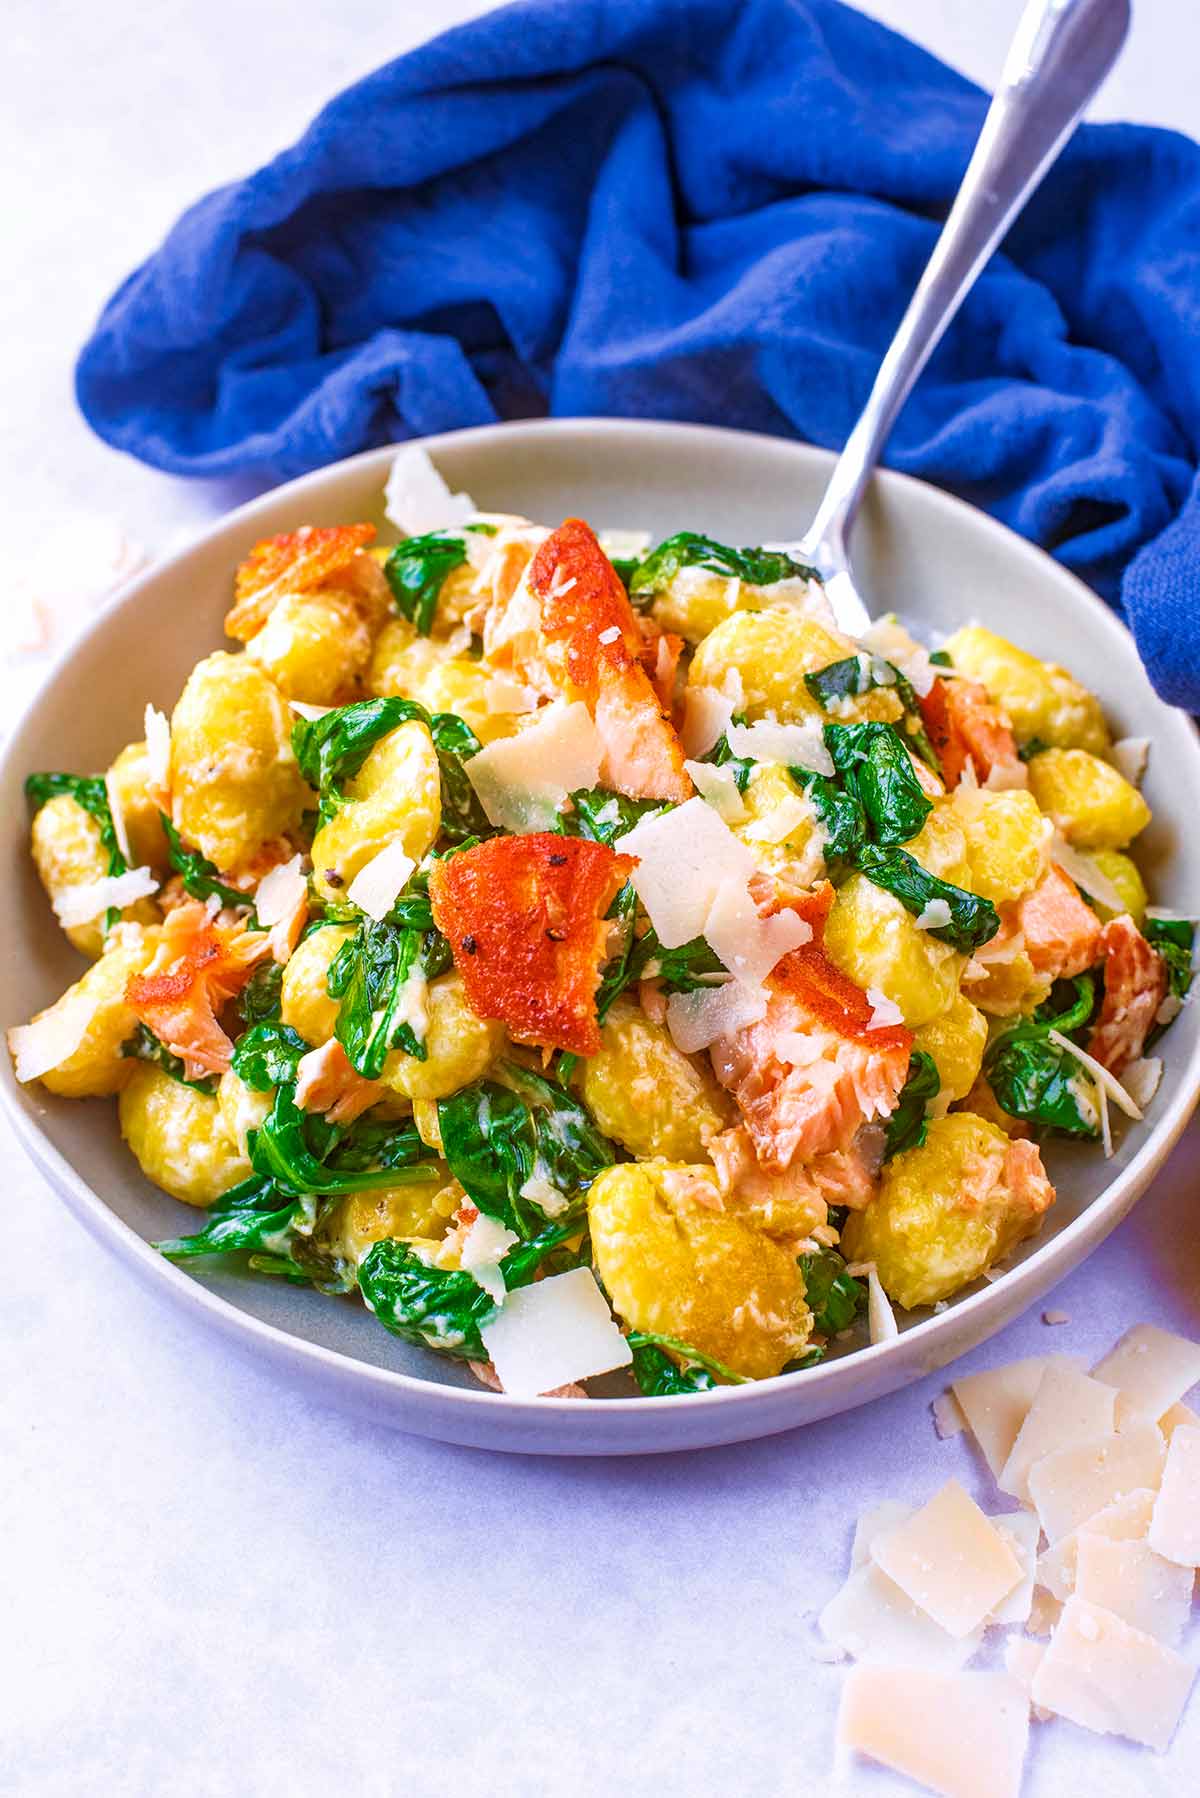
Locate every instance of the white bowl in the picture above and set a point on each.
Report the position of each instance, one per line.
(919, 552)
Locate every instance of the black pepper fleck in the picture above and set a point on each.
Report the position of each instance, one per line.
(470, 945)
(557, 936)
(334, 878)
(558, 861)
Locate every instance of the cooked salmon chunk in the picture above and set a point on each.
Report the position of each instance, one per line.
(1062, 934)
(1135, 985)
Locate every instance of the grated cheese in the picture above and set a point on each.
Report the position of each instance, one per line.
(158, 746)
(1142, 1078)
(1133, 1582)
(951, 1560)
(1129, 756)
(696, 1020)
(309, 712)
(684, 856)
(483, 1248)
(963, 1735)
(706, 715)
(871, 1619)
(796, 745)
(80, 904)
(884, 1011)
(1068, 1408)
(380, 881)
(417, 499)
(748, 944)
(1175, 1526)
(1153, 1367)
(279, 892)
(552, 1333)
(949, 1418)
(881, 1319)
(53, 1038)
(996, 1401)
(1100, 1074)
(935, 916)
(1102, 1673)
(718, 787)
(1072, 1484)
(523, 781)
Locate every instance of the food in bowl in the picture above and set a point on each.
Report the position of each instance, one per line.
(593, 958)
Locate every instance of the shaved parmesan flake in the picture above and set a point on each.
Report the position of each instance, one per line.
(873, 1524)
(872, 1620)
(117, 814)
(963, 1735)
(309, 712)
(1086, 873)
(1100, 1074)
(1068, 1407)
(1125, 1520)
(483, 1248)
(279, 892)
(887, 637)
(380, 881)
(881, 1319)
(995, 1402)
(797, 745)
(552, 1333)
(696, 1020)
(1133, 1582)
(624, 546)
(1102, 1673)
(1044, 1614)
(523, 781)
(80, 904)
(1178, 1417)
(684, 856)
(1130, 755)
(884, 1011)
(53, 1038)
(718, 787)
(1153, 1367)
(1141, 1079)
(1175, 1526)
(158, 746)
(935, 916)
(1023, 1532)
(748, 944)
(1022, 1658)
(1072, 1484)
(949, 1418)
(951, 1560)
(706, 715)
(417, 499)
(1106, 1136)
(543, 1193)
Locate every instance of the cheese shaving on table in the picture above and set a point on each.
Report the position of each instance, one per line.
(380, 882)
(718, 787)
(1175, 1526)
(1141, 1587)
(795, 745)
(1068, 1408)
(960, 1734)
(1152, 1367)
(483, 1248)
(522, 782)
(1107, 1676)
(873, 1620)
(684, 856)
(53, 1038)
(949, 1418)
(1071, 1484)
(996, 1402)
(1125, 1519)
(80, 904)
(417, 499)
(951, 1560)
(552, 1333)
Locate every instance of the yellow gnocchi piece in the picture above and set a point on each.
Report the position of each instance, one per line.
(178, 1137)
(647, 1094)
(770, 652)
(1093, 805)
(956, 1040)
(781, 827)
(1008, 985)
(402, 660)
(242, 1109)
(673, 1264)
(304, 1000)
(67, 852)
(314, 646)
(234, 780)
(1041, 699)
(1121, 871)
(697, 600)
(96, 1066)
(941, 845)
(396, 795)
(411, 1208)
(459, 1046)
(462, 686)
(128, 781)
(1006, 839)
(927, 1232)
(877, 943)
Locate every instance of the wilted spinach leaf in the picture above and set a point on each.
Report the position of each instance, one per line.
(876, 768)
(373, 975)
(268, 1055)
(255, 1214)
(858, 674)
(295, 1148)
(833, 1296)
(417, 570)
(1034, 1078)
(90, 792)
(660, 1375)
(839, 812)
(973, 921)
(143, 1045)
(604, 816)
(907, 1127)
(443, 1308)
(687, 549)
(199, 876)
(331, 750)
(1174, 938)
(260, 998)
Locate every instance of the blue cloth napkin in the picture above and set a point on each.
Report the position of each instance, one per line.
(694, 209)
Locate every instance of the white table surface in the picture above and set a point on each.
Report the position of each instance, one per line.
(211, 1585)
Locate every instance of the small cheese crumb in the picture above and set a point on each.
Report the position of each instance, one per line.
(483, 1248)
(610, 635)
(963, 1735)
(80, 904)
(951, 1560)
(380, 881)
(1175, 1526)
(552, 1333)
(417, 499)
(935, 916)
(1056, 1317)
(1068, 1407)
(1153, 1367)
(1072, 1484)
(884, 1011)
(1102, 1673)
(1136, 1584)
(949, 1418)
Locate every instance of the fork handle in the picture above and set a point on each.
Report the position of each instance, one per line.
(1061, 53)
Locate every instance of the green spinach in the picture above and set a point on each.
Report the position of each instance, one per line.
(443, 1308)
(143, 1045)
(1174, 939)
(331, 750)
(858, 674)
(417, 570)
(877, 770)
(907, 1127)
(833, 1296)
(1034, 1078)
(200, 876)
(973, 921)
(90, 792)
(660, 1374)
(688, 549)
(261, 997)
(372, 974)
(839, 813)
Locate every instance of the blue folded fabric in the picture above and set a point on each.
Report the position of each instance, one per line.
(693, 209)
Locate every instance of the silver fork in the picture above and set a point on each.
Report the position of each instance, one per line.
(1060, 55)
